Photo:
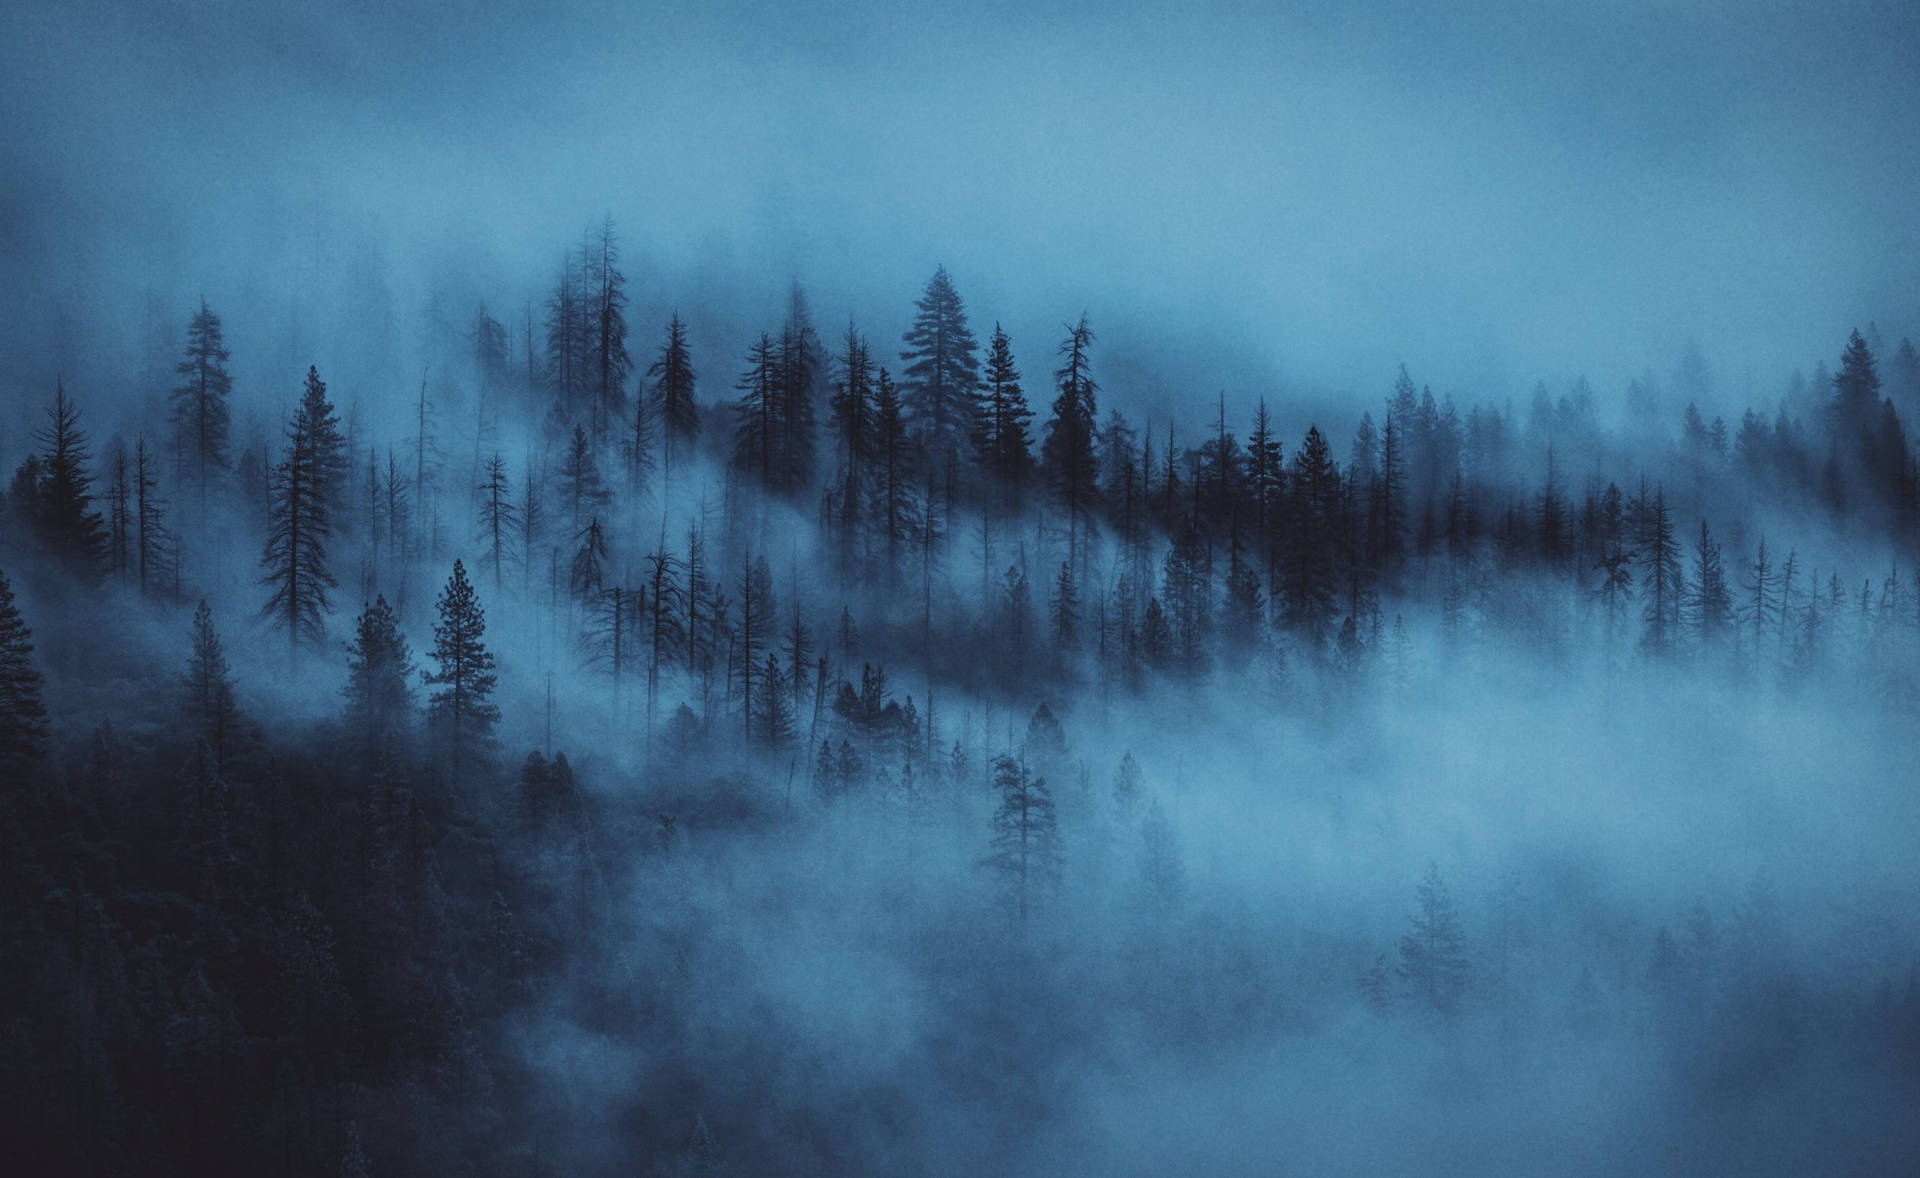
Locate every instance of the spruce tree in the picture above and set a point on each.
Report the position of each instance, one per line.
(1002, 441)
(299, 526)
(1024, 850)
(379, 690)
(673, 382)
(68, 525)
(23, 712)
(499, 517)
(941, 369)
(1067, 456)
(1433, 954)
(201, 417)
(462, 711)
(209, 689)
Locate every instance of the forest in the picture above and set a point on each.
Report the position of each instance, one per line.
(882, 754)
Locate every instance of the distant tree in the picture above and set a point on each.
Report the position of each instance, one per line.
(63, 511)
(1024, 851)
(758, 611)
(607, 288)
(1002, 442)
(327, 444)
(209, 689)
(1710, 601)
(798, 364)
(201, 418)
(580, 485)
(462, 711)
(1658, 553)
(756, 433)
(942, 370)
(1160, 879)
(851, 414)
(1067, 456)
(23, 713)
(1129, 789)
(1311, 570)
(1186, 592)
(499, 518)
(587, 575)
(892, 480)
(378, 691)
(772, 720)
(155, 560)
(1065, 610)
(299, 526)
(1433, 956)
(673, 385)
(120, 514)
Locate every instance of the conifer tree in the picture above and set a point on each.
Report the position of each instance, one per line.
(1067, 456)
(462, 711)
(892, 480)
(673, 384)
(941, 370)
(580, 486)
(120, 514)
(1024, 850)
(758, 609)
(1002, 441)
(1433, 956)
(209, 688)
(63, 510)
(1659, 556)
(154, 557)
(23, 712)
(1311, 569)
(499, 517)
(327, 443)
(378, 691)
(797, 364)
(608, 325)
(851, 409)
(201, 417)
(756, 433)
(1710, 600)
(1160, 876)
(299, 525)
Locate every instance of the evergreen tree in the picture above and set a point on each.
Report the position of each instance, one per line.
(673, 382)
(1024, 850)
(378, 692)
(1433, 956)
(758, 611)
(798, 366)
(892, 482)
(1160, 876)
(23, 713)
(580, 485)
(327, 443)
(1710, 600)
(607, 287)
(756, 433)
(1311, 571)
(1066, 611)
(154, 557)
(851, 407)
(462, 711)
(63, 511)
(1002, 442)
(299, 525)
(209, 689)
(499, 518)
(941, 370)
(201, 417)
(1659, 557)
(1067, 456)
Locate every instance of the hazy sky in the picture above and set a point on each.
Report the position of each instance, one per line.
(1316, 194)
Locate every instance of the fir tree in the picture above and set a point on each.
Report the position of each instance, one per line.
(23, 713)
(941, 369)
(1433, 956)
(378, 691)
(1002, 442)
(209, 689)
(63, 510)
(673, 384)
(499, 518)
(462, 711)
(299, 525)
(200, 413)
(1067, 456)
(1024, 850)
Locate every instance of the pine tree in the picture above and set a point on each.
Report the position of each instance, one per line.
(1311, 569)
(1710, 601)
(608, 325)
(23, 713)
(154, 555)
(758, 609)
(1129, 789)
(120, 514)
(378, 692)
(299, 525)
(1002, 442)
(673, 384)
(73, 532)
(201, 418)
(798, 364)
(1024, 850)
(580, 485)
(1067, 456)
(328, 445)
(587, 575)
(1066, 611)
(1433, 956)
(1659, 556)
(941, 370)
(209, 689)
(892, 487)
(756, 433)
(499, 518)
(851, 410)
(462, 712)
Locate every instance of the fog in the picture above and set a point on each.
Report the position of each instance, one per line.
(1430, 689)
